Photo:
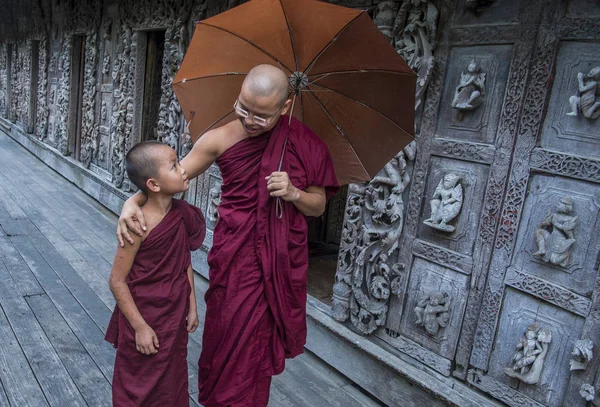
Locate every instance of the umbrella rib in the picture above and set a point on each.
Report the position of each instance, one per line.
(264, 51)
(315, 78)
(210, 76)
(215, 122)
(340, 130)
(287, 23)
(314, 61)
(367, 106)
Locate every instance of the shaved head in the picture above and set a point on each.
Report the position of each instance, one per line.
(266, 81)
(142, 162)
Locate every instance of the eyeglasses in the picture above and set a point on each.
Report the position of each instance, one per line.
(260, 121)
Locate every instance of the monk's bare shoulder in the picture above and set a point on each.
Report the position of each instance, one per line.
(222, 138)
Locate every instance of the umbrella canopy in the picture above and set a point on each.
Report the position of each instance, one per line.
(352, 88)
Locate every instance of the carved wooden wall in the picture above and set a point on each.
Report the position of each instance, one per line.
(495, 277)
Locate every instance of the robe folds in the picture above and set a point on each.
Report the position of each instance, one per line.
(256, 301)
(160, 288)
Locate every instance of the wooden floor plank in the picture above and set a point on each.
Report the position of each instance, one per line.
(87, 331)
(88, 378)
(328, 385)
(97, 279)
(10, 205)
(298, 390)
(3, 396)
(42, 211)
(52, 376)
(88, 299)
(26, 282)
(20, 384)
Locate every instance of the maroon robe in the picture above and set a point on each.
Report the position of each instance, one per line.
(160, 288)
(256, 301)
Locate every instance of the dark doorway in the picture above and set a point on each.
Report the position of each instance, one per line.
(77, 75)
(324, 234)
(8, 77)
(152, 80)
(35, 52)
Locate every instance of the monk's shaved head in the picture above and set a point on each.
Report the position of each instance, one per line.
(265, 81)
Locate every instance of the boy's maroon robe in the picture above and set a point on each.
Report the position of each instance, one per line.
(256, 301)
(160, 288)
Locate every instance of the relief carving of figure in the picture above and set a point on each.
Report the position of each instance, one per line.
(469, 93)
(555, 235)
(446, 203)
(582, 354)
(587, 100)
(103, 111)
(433, 312)
(214, 199)
(528, 360)
(101, 154)
(106, 65)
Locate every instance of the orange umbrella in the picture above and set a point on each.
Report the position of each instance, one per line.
(352, 88)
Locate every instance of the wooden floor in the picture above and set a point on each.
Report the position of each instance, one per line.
(56, 247)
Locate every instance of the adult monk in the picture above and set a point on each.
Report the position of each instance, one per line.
(256, 300)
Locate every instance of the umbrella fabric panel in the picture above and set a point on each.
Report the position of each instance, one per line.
(221, 54)
(359, 46)
(348, 168)
(382, 91)
(263, 23)
(375, 138)
(313, 25)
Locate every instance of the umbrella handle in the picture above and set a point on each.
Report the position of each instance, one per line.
(278, 203)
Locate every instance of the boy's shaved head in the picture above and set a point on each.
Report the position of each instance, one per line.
(267, 81)
(142, 162)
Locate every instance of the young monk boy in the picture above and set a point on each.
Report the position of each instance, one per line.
(152, 281)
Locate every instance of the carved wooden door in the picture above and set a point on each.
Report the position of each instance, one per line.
(543, 277)
(492, 276)
(101, 160)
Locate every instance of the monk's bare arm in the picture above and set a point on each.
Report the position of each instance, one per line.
(146, 341)
(192, 319)
(311, 202)
(204, 153)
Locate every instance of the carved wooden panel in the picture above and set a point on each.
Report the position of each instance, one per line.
(479, 121)
(520, 312)
(208, 195)
(563, 131)
(472, 178)
(439, 328)
(566, 234)
(104, 106)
